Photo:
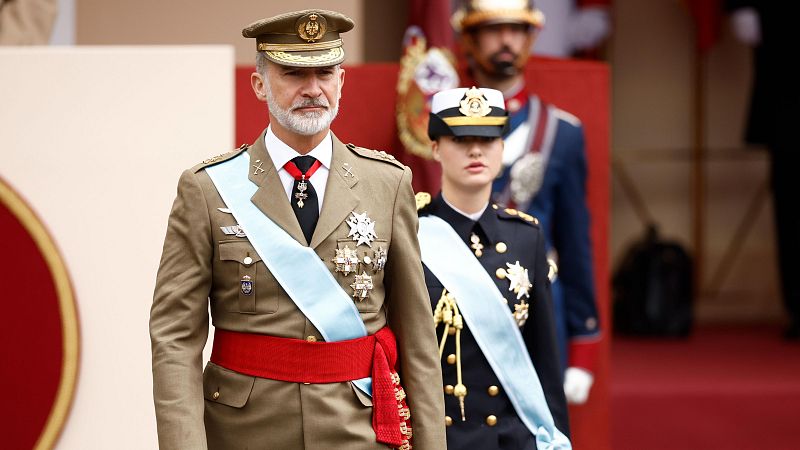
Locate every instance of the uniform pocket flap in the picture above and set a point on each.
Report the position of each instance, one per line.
(238, 251)
(230, 388)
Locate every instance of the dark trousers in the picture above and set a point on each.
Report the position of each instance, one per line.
(785, 186)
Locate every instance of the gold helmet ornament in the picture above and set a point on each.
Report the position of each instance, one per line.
(474, 14)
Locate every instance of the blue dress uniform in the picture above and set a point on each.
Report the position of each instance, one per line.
(502, 236)
(547, 179)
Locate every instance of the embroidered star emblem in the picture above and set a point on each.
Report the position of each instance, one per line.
(518, 277)
(362, 229)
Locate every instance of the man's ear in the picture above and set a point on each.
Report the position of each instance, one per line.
(259, 86)
(435, 151)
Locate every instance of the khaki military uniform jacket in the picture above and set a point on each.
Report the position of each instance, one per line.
(26, 22)
(221, 409)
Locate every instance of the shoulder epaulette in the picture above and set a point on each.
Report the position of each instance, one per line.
(423, 199)
(219, 158)
(375, 154)
(567, 117)
(511, 213)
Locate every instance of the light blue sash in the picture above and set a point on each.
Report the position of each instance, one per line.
(490, 321)
(296, 267)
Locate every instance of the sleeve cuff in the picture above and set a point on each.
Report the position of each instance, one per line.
(584, 353)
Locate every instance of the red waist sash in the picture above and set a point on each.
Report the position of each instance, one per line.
(300, 361)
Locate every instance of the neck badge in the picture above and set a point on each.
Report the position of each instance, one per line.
(518, 277)
(362, 229)
(302, 186)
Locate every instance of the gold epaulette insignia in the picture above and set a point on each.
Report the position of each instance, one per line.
(423, 199)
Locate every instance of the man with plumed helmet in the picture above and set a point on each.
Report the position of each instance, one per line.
(487, 278)
(305, 250)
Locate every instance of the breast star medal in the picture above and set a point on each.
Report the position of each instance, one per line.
(362, 229)
(361, 286)
(345, 260)
(519, 281)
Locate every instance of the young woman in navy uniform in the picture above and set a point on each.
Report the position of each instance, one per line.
(492, 401)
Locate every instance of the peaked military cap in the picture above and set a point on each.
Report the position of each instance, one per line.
(308, 38)
(486, 12)
(468, 112)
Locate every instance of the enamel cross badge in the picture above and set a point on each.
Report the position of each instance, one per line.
(345, 260)
(361, 286)
(362, 229)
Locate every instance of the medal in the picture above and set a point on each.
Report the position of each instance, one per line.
(519, 281)
(345, 260)
(379, 260)
(521, 312)
(302, 186)
(247, 285)
(362, 229)
(361, 286)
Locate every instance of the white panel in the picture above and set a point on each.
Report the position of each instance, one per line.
(95, 139)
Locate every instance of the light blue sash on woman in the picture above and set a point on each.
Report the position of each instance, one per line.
(296, 267)
(489, 319)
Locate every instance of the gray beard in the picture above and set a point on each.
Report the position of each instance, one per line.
(306, 123)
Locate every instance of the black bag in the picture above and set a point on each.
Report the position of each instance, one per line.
(652, 289)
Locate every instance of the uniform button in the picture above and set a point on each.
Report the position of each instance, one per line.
(493, 390)
(367, 260)
(451, 359)
(448, 420)
(494, 206)
(501, 247)
(449, 389)
(500, 273)
(215, 395)
(491, 420)
(311, 339)
(591, 323)
(247, 260)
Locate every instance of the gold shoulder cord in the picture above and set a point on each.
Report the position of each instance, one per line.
(447, 312)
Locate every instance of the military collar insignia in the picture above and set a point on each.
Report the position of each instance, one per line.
(362, 229)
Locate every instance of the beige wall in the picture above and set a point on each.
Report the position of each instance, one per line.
(154, 22)
(97, 156)
(653, 120)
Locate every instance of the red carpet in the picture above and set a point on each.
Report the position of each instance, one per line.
(732, 388)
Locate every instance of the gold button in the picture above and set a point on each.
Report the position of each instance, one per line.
(500, 273)
(311, 339)
(215, 395)
(591, 323)
(494, 206)
(449, 389)
(451, 359)
(501, 247)
(247, 260)
(491, 421)
(448, 420)
(493, 390)
(451, 331)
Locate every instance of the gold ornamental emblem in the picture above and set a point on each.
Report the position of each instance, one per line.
(474, 104)
(312, 27)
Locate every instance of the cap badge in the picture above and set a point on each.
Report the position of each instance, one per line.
(312, 27)
(474, 104)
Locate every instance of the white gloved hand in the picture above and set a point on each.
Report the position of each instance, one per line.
(577, 384)
(747, 26)
(588, 27)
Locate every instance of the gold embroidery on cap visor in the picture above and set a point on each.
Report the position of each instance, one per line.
(266, 46)
(462, 121)
(307, 59)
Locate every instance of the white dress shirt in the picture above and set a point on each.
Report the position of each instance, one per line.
(282, 153)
